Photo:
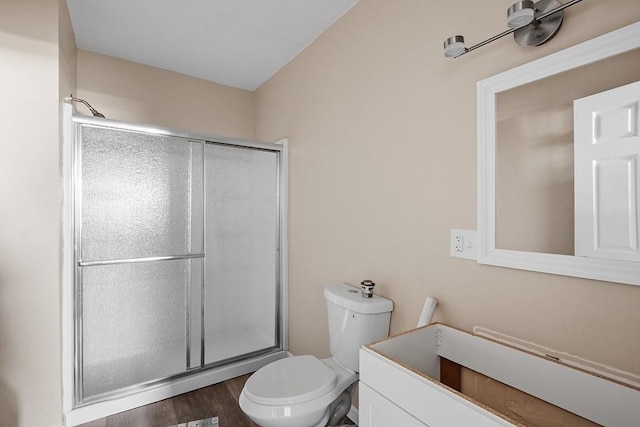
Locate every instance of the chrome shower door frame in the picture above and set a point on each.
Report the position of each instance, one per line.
(75, 405)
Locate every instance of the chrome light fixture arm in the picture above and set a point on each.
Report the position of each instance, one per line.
(534, 32)
(489, 40)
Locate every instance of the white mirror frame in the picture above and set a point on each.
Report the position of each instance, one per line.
(611, 44)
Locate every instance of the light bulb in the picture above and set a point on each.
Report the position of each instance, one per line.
(520, 13)
(454, 47)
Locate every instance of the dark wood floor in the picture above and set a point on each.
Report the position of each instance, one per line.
(219, 400)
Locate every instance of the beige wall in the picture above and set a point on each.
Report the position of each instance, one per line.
(382, 133)
(37, 65)
(68, 53)
(137, 93)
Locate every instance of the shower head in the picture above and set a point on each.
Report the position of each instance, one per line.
(95, 112)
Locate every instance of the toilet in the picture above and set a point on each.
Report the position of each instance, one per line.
(304, 391)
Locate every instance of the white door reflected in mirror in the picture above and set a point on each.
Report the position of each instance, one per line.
(607, 183)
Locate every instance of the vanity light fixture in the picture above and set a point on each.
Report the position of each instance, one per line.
(532, 24)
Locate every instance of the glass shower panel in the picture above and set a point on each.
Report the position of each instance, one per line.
(135, 322)
(141, 195)
(240, 294)
(139, 318)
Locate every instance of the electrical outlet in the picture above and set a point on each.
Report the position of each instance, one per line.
(463, 244)
(458, 243)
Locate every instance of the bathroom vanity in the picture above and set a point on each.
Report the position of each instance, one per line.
(413, 379)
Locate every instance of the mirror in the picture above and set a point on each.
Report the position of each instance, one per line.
(535, 155)
(525, 205)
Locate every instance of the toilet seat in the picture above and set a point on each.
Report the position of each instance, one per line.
(313, 393)
(290, 381)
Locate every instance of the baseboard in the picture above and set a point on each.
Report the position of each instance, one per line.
(353, 414)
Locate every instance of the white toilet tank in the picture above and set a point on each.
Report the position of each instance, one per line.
(354, 321)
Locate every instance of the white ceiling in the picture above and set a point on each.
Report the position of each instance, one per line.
(238, 43)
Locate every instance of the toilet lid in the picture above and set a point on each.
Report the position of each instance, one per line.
(289, 381)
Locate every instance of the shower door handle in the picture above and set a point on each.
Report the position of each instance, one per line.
(135, 260)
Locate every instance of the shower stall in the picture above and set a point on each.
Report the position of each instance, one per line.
(175, 262)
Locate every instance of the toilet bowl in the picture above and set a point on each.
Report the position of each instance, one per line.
(300, 391)
(304, 391)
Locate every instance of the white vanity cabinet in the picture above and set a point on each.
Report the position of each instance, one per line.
(400, 382)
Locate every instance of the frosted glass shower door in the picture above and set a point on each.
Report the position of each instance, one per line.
(241, 266)
(140, 259)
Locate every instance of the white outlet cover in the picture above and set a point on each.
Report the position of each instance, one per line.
(469, 243)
